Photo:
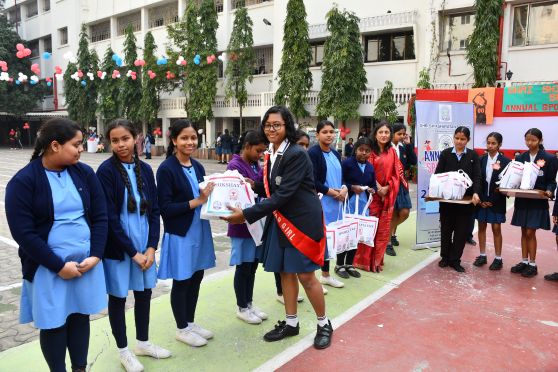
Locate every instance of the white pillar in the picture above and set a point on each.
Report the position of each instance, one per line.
(210, 132)
(165, 128)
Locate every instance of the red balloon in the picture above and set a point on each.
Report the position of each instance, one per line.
(20, 54)
(27, 52)
(20, 46)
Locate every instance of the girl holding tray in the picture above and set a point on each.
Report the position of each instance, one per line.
(492, 208)
(294, 234)
(56, 212)
(244, 253)
(532, 214)
(454, 218)
(134, 225)
(187, 248)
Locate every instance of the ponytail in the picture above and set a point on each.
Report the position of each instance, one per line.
(59, 129)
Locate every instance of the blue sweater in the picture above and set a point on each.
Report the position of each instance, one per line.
(113, 185)
(175, 192)
(320, 168)
(30, 214)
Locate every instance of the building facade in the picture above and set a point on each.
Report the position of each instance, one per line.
(399, 38)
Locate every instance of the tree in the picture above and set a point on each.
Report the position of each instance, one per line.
(204, 96)
(343, 78)
(482, 51)
(130, 90)
(16, 99)
(241, 59)
(295, 78)
(385, 106)
(109, 89)
(149, 106)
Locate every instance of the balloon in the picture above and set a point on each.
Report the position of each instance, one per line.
(79, 73)
(20, 54)
(209, 60)
(162, 61)
(20, 46)
(196, 61)
(32, 82)
(27, 52)
(114, 57)
(49, 84)
(18, 82)
(220, 58)
(100, 74)
(83, 83)
(46, 55)
(58, 69)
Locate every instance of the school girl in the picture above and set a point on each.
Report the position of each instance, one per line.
(328, 178)
(454, 217)
(302, 139)
(56, 212)
(293, 208)
(359, 173)
(492, 208)
(133, 237)
(244, 253)
(532, 214)
(187, 248)
(406, 153)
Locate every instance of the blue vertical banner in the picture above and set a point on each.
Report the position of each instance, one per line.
(436, 124)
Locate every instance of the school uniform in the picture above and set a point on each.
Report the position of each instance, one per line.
(361, 174)
(534, 213)
(407, 156)
(293, 194)
(490, 171)
(454, 218)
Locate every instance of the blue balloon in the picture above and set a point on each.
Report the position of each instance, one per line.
(49, 84)
(83, 83)
(115, 57)
(197, 56)
(162, 61)
(17, 82)
(32, 82)
(46, 55)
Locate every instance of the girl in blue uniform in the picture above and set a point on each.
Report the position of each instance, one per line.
(359, 173)
(56, 212)
(328, 178)
(244, 253)
(187, 247)
(532, 214)
(133, 237)
(492, 209)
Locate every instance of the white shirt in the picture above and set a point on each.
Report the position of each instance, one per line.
(489, 164)
(532, 157)
(273, 155)
(396, 147)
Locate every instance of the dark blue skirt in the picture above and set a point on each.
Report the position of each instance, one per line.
(403, 200)
(286, 259)
(531, 218)
(555, 229)
(487, 215)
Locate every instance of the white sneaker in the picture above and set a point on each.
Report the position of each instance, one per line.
(190, 337)
(331, 281)
(324, 289)
(299, 299)
(152, 350)
(248, 316)
(130, 362)
(257, 312)
(205, 333)
(280, 299)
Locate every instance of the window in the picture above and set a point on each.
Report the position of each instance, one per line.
(456, 30)
(264, 61)
(133, 19)
(317, 53)
(14, 15)
(33, 45)
(240, 3)
(395, 46)
(47, 44)
(221, 67)
(99, 31)
(163, 15)
(535, 24)
(46, 5)
(32, 9)
(219, 6)
(63, 35)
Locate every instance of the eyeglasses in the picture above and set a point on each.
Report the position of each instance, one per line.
(275, 126)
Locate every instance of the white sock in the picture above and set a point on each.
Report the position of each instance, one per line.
(498, 257)
(525, 261)
(123, 350)
(322, 321)
(483, 254)
(291, 320)
(143, 344)
(532, 263)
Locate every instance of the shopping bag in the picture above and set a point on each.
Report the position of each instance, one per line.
(511, 176)
(456, 185)
(341, 235)
(529, 176)
(367, 225)
(256, 230)
(436, 184)
(229, 189)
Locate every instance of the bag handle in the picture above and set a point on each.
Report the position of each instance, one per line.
(367, 205)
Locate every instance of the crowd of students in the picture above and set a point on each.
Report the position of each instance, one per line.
(77, 229)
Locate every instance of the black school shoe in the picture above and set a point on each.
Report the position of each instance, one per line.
(551, 277)
(394, 241)
(323, 336)
(471, 241)
(529, 272)
(496, 265)
(443, 263)
(342, 272)
(352, 271)
(281, 330)
(518, 269)
(390, 251)
(480, 261)
(457, 267)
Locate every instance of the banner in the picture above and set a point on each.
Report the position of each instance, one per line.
(531, 98)
(483, 101)
(436, 124)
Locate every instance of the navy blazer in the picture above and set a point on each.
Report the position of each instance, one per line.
(546, 180)
(295, 196)
(320, 167)
(30, 214)
(407, 155)
(354, 176)
(113, 185)
(489, 193)
(175, 192)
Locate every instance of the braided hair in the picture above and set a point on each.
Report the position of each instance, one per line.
(131, 202)
(59, 129)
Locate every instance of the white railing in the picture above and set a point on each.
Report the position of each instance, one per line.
(452, 85)
(402, 95)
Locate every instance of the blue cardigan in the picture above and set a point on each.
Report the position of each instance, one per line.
(320, 168)
(407, 155)
(113, 185)
(546, 180)
(30, 214)
(175, 192)
(354, 176)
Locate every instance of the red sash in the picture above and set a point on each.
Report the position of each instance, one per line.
(307, 246)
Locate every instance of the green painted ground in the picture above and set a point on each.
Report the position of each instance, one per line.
(237, 346)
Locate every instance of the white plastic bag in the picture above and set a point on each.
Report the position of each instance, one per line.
(511, 176)
(436, 184)
(529, 177)
(449, 185)
(367, 225)
(341, 235)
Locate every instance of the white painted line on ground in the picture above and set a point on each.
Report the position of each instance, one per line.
(11, 286)
(9, 241)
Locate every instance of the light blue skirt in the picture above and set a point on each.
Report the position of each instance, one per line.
(243, 250)
(126, 275)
